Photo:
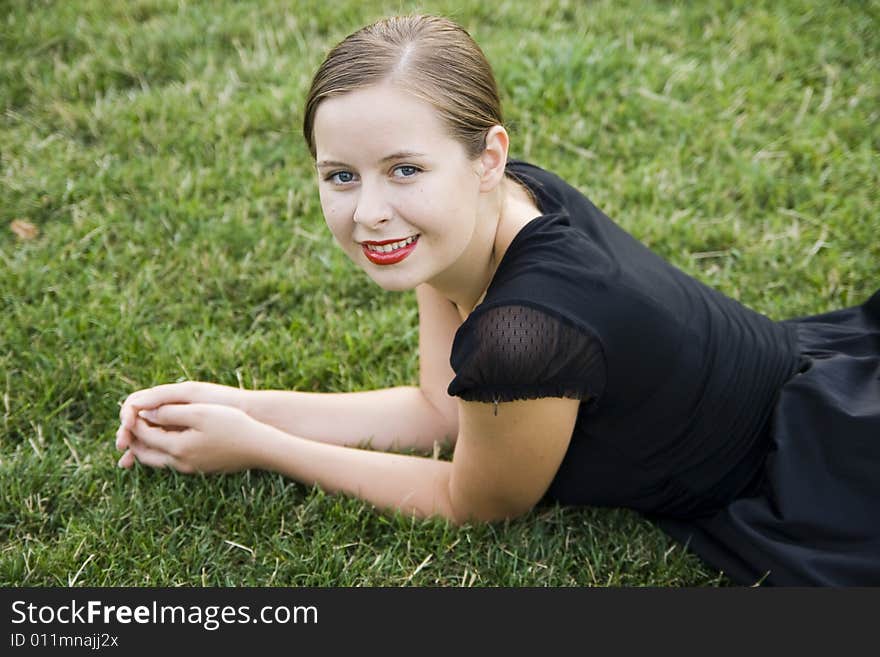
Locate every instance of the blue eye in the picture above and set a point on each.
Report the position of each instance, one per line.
(406, 171)
(341, 177)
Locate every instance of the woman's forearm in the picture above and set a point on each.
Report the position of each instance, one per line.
(414, 485)
(393, 418)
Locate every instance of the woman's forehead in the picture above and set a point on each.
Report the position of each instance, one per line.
(382, 118)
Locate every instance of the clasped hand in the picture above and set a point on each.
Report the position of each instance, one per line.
(167, 427)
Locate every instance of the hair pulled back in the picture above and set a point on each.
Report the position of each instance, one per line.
(431, 57)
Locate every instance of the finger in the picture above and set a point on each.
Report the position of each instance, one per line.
(126, 460)
(123, 438)
(156, 437)
(127, 414)
(133, 405)
(175, 415)
(152, 457)
(151, 398)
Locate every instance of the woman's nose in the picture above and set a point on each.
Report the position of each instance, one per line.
(372, 207)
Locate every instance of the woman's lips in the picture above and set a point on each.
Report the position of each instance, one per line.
(391, 257)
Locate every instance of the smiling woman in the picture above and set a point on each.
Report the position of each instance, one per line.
(394, 182)
(564, 360)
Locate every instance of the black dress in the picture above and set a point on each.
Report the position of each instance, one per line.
(754, 442)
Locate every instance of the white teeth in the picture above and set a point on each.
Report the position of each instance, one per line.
(388, 248)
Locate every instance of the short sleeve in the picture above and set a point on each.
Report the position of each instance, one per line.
(515, 352)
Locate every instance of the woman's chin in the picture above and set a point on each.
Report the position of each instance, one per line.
(389, 277)
(393, 285)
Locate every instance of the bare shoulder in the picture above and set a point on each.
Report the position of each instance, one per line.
(504, 463)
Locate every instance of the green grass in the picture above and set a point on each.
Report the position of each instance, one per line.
(156, 147)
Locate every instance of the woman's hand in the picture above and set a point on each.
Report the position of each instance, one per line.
(194, 438)
(188, 392)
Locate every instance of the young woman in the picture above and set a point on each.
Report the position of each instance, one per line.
(567, 362)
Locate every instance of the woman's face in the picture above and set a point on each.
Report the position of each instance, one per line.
(398, 193)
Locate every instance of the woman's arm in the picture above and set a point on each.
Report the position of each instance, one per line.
(391, 418)
(387, 419)
(502, 464)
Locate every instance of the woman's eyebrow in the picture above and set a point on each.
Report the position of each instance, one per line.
(399, 155)
(330, 163)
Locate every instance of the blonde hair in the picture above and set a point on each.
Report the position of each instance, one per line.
(431, 57)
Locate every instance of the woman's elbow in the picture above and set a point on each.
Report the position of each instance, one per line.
(469, 510)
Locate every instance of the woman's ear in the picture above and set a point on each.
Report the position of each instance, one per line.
(493, 159)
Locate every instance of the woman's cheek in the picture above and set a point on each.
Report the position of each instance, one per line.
(335, 220)
(342, 236)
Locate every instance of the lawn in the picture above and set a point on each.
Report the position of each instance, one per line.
(159, 221)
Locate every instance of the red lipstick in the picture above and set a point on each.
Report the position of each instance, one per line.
(390, 257)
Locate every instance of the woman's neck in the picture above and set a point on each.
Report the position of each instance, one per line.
(505, 215)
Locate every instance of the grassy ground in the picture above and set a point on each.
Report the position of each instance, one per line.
(155, 147)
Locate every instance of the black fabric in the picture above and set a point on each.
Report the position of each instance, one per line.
(814, 517)
(513, 352)
(687, 395)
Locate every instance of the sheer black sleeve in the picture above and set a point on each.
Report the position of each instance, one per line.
(514, 352)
